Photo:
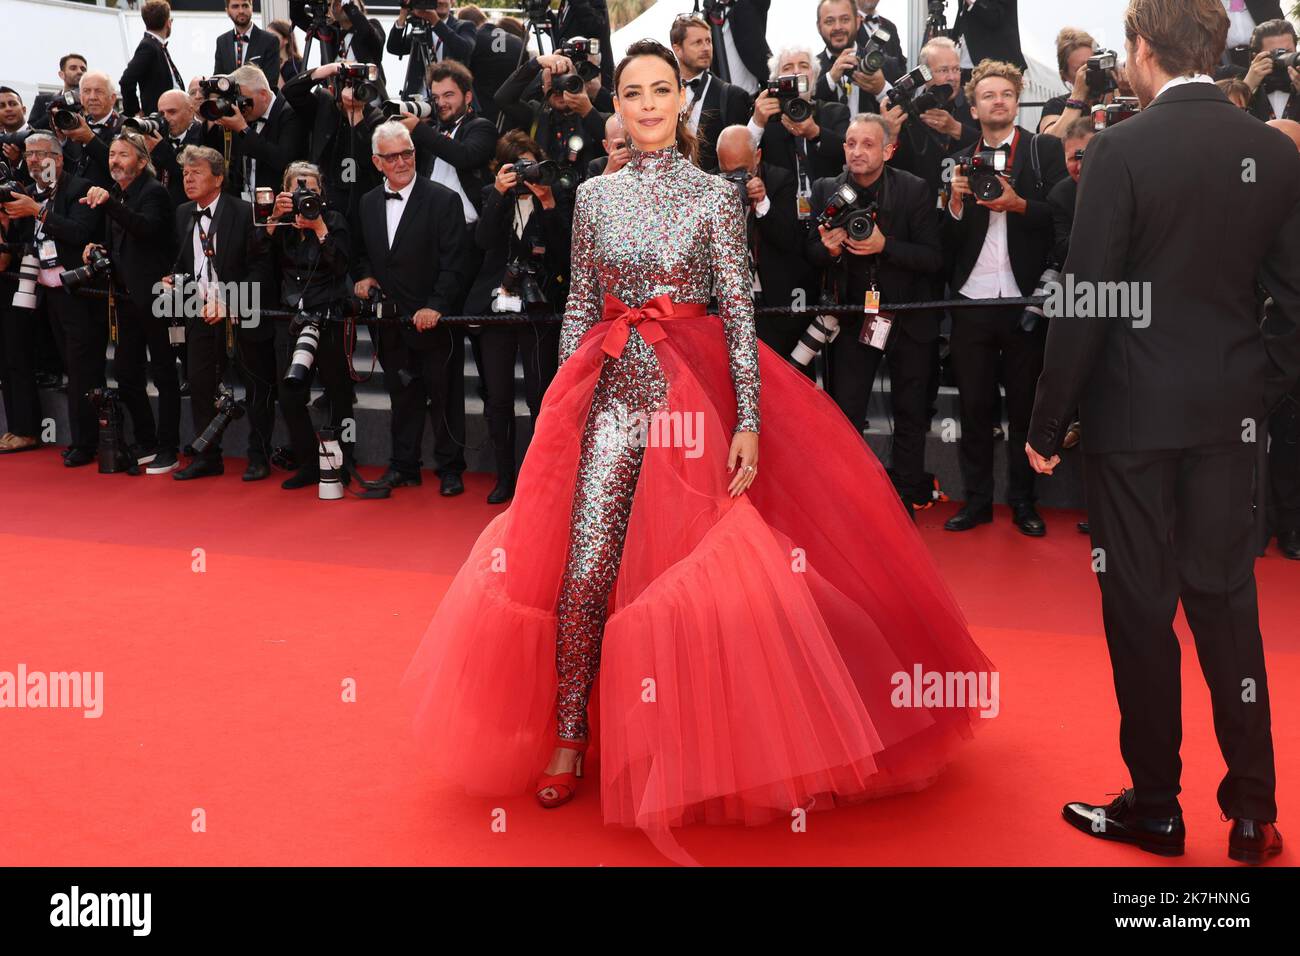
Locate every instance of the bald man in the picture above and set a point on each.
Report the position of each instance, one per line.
(1289, 127)
(184, 128)
(616, 151)
(1284, 449)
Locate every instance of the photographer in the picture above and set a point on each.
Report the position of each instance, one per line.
(1063, 195)
(840, 80)
(56, 226)
(71, 67)
(617, 155)
(524, 234)
(151, 71)
(312, 251)
(1073, 50)
(926, 137)
(776, 247)
(583, 18)
(988, 30)
(902, 250)
(88, 128)
(712, 104)
(1274, 87)
(497, 54)
(811, 148)
(999, 248)
(246, 44)
(562, 120)
(220, 251)
(343, 31)
(139, 239)
(422, 32)
(14, 129)
(184, 128)
(264, 133)
(740, 34)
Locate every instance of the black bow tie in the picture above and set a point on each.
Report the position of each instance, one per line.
(871, 19)
(205, 213)
(388, 195)
(1004, 148)
(695, 84)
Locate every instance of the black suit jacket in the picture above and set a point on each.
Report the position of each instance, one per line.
(586, 18)
(1029, 236)
(146, 78)
(39, 117)
(263, 51)
(1264, 10)
(426, 266)
(1199, 366)
(282, 140)
(921, 151)
(1062, 199)
(401, 43)
(913, 249)
(469, 150)
(1261, 107)
(139, 232)
(539, 120)
(496, 56)
(991, 31)
(724, 105)
(164, 161)
(90, 160)
(748, 20)
(826, 152)
(240, 254)
(70, 223)
(778, 241)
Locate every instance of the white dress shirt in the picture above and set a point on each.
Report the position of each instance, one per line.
(204, 271)
(693, 121)
(740, 75)
(394, 208)
(992, 277)
(1180, 80)
(1240, 26)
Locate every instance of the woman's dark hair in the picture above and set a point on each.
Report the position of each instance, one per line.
(687, 144)
(285, 29)
(513, 145)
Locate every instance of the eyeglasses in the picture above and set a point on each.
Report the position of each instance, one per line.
(404, 155)
(40, 154)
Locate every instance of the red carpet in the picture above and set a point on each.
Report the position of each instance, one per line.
(223, 692)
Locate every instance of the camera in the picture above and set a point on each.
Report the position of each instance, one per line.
(113, 454)
(28, 270)
(221, 97)
(871, 55)
(227, 411)
(152, 125)
(16, 138)
(304, 350)
(416, 106)
(9, 187)
(789, 89)
(1101, 73)
(741, 178)
(985, 170)
(306, 203)
(842, 211)
(66, 110)
(362, 77)
(1103, 117)
(373, 306)
(585, 54)
(545, 172)
(568, 83)
(905, 92)
(520, 289)
(99, 265)
(1279, 81)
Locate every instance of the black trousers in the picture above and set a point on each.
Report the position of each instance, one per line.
(416, 380)
(852, 373)
(142, 344)
(1174, 525)
(255, 364)
(1284, 465)
(539, 345)
(18, 332)
(330, 367)
(81, 334)
(979, 338)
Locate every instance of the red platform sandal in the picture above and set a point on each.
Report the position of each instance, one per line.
(563, 785)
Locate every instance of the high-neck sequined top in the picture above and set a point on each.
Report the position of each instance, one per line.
(661, 225)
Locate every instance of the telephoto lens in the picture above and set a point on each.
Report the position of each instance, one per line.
(28, 270)
(821, 330)
(304, 353)
(330, 487)
(227, 411)
(151, 125)
(416, 106)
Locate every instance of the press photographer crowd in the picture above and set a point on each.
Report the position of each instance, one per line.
(238, 229)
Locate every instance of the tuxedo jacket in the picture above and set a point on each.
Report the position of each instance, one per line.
(590, 19)
(1029, 236)
(165, 164)
(724, 105)
(90, 160)
(1199, 367)
(496, 55)
(893, 49)
(426, 266)
(748, 19)
(991, 31)
(1261, 107)
(282, 140)
(778, 241)
(69, 222)
(470, 149)
(146, 77)
(139, 233)
(240, 254)
(263, 51)
(826, 153)
(913, 251)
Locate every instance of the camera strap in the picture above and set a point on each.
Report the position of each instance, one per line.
(803, 197)
(1034, 162)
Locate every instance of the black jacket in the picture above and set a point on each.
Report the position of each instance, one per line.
(778, 242)
(263, 51)
(367, 36)
(164, 160)
(991, 31)
(1199, 367)
(724, 105)
(426, 266)
(913, 249)
(304, 263)
(1261, 107)
(90, 160)
(1062, 199)
(282, 140)
(496, 55)
(748, 20)
(147, 73)
(70, 223)
(401, 43)
(545, 125)
(922, 152)
(240, 255)
(586, 18)
(494, 234)
(826, 152)
(139, 234)
(469, 149)
(1029, 236)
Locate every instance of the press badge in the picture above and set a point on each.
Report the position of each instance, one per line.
(48, 254)
(876, 328)
(805, 206)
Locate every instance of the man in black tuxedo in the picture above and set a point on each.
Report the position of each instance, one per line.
(903, 249)
(349, 34)
(844, 30)
(246, 44)
(1171, 397)
(139, 237)
(265, 136)
(85, 146)
(218, 245)
(1275, 92)
(59, 225)
(740, 37)
(413, 249)
(496, 55)
(151, 71)
(711, 104)
(71, 67)
(999, 248)
(923, 143)
(585, 18)
(427, 37)
(184, 128)
(988, 30)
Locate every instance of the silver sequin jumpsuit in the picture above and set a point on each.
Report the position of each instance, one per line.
(658, 226)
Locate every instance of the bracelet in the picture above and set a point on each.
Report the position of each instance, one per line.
(1079, 105)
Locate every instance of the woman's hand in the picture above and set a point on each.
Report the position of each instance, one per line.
(506, 179)
(743, 453)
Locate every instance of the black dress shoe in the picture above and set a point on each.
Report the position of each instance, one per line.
(504, 491)
(200, 468)
(301, 478)
(1119, 821)
(1289, 542)
(393, 479)
(1028, 521)
(257, 470)
(966, 519)
(76, 457)
(1083, 527)
(1250, 841)
(451, 485)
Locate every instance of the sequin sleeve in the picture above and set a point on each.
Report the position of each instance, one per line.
(582, 310)
(729, 261)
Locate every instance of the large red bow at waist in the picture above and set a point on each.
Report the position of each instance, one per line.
(647, 318)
